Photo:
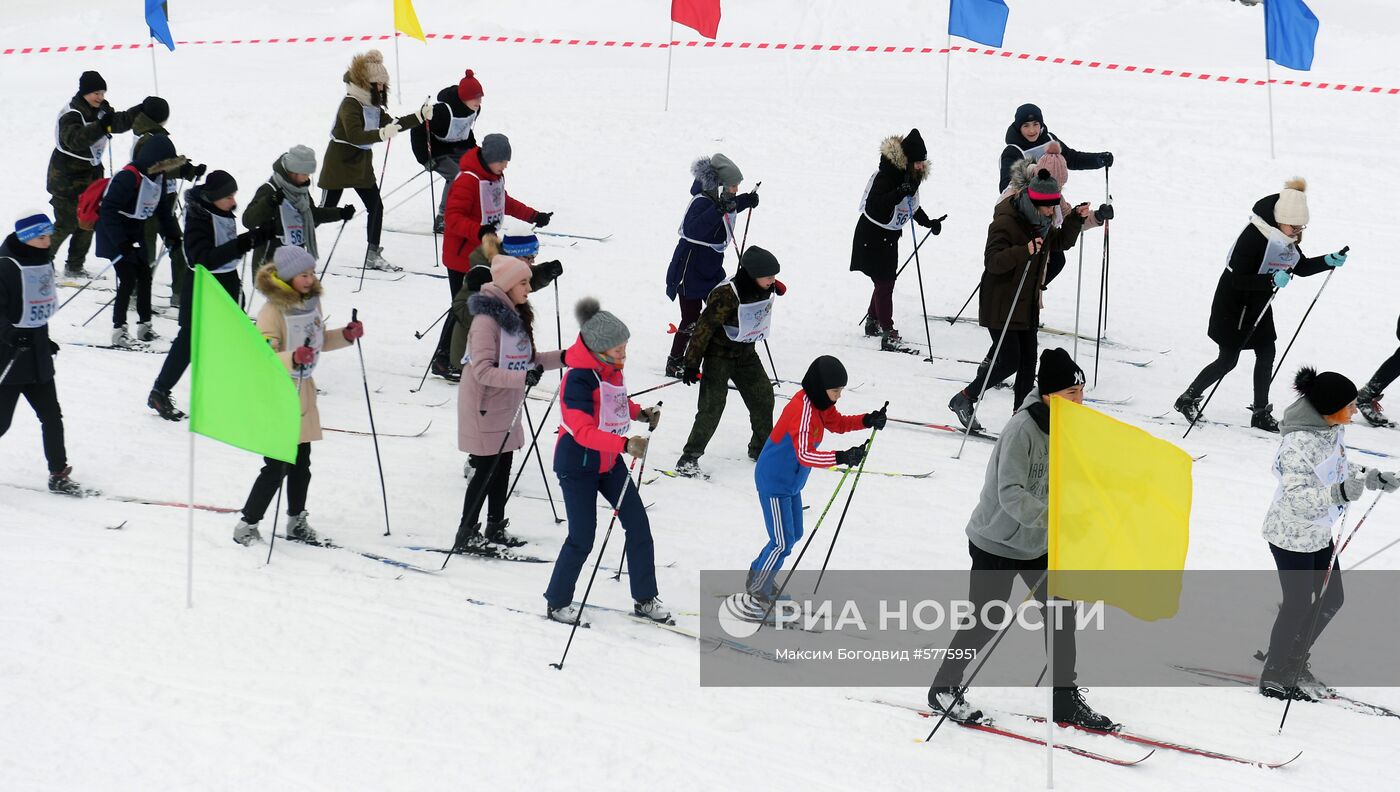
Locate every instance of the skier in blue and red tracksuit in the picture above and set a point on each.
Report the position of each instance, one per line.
(596, 415)
(786, 462)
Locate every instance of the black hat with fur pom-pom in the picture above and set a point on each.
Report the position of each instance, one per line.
(1327, 392)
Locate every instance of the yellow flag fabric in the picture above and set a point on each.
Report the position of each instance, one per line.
(1120, 502)
(406, 20)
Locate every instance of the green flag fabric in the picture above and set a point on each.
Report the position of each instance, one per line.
(240, 393)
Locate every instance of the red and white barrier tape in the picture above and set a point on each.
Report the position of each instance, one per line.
(740, 45)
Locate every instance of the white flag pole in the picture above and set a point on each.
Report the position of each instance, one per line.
(1048, 621)
(189, 534)
(670, 47)
(155, 78)
(947, 71)
(1269, 82)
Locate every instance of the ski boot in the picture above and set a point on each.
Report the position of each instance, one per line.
(61, 483)
(439, 225)
(161, 402)
(1071, 708)
(675, 366)
(441, 368)
(299, 530)
(1284, 682)
(950, 701)
(964, 407)
(144, 333)
(374, 259)
(121, 338)
(497, 534)
(890, 341)
(76, 271)
(565, 615)
(872, 327)
(1263, 418)
(245, 533)
(1189, 405)
(469, 539)
(1368, 402)
(651, 609)
(689, 467)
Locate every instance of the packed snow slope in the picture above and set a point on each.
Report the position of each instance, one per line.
(326, 670)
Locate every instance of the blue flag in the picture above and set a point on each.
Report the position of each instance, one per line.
(1290, 30)
(159, 24)
(982, 21)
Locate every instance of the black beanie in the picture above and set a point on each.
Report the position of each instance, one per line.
(825, 372)
(219, 184)
(913, 146)
(1327, 392)
(1058, 372)
(156, 109)
(758, 262)
(91, 81)
(1028, 112)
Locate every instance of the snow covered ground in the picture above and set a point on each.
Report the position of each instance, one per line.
(326, 670)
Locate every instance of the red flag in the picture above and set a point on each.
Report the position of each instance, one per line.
(701, 15)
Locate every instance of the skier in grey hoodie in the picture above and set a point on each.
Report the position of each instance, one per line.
(1315, 484)
(1007, 538)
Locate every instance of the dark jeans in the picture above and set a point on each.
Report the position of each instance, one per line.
(580, 503)
(1017, 356)
(1291, 636)
(43, 397)
(374, 209)
(455, 280)
(1386, 374)
(992, 579)
(754, 387)
(690, 312)
(881, 306)
(178, 268)
(480, 488)
(178, 358)
(1225, 362)
(270, 478)
(132, 275)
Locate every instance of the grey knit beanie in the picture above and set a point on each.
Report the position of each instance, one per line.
(495, 147)
(299, 159)
(728, 173)
(600, 330)
(291, 261)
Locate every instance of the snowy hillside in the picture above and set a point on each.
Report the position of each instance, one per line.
(327, 670)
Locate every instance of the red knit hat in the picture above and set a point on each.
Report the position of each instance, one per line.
(469, 88)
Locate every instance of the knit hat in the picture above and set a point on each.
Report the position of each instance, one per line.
(913, 147)
(825, 372)
(157, 148)
(156, 109)
(1058, 372)
(1043, 190)
(1292, 206)
(1327, 392)
(599, 329)
(758, 262)
(1053, 160)
(91, 81)
(469, 88)
(728, 173)
(506, 271)
(291, 261)
(495, 147)
(33, 225)
(219, 184)
(1028, 112)
(299, 159)
(526, 244)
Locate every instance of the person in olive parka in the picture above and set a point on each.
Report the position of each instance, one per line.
(284, 202)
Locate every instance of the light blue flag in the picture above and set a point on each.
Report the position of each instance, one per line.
(982, 21)
(1290, 32)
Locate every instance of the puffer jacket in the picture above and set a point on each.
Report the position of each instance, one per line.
(272, 323)
(582, 448)
(1311, 462)
(697, 267)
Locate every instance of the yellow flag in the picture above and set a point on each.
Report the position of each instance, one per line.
(406, 20)
(1120, 503)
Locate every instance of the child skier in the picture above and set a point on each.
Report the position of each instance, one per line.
(1027, 138)
(284, 202)
(891, 199)
(1053, 160)
(525, 247)
(596, 415)
(1315, 484)
(1264, 259)
(149, 123)
(736, 317)
(784, 465)
(502, 365)
(706, 232)
(291, 322)
(451, 134)
(27, 300)
(1007, 538)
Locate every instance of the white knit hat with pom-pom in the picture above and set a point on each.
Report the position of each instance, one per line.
(1292, 206)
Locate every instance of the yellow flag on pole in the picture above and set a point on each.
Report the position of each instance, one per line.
(1120, 503)
(406, 20)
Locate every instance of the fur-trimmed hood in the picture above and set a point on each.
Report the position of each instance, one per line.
(492, 301)
(892, 152)
(705, 174)
(278, 293)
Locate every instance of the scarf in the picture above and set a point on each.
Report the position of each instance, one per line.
(300, 198)
(1041, 223)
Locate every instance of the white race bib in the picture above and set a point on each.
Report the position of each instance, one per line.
(1280, 255)
(902, 211)
(38, 299)
(225, 231)
(147, 197)
(754, 319)
(94, 153)
(458, 129)
(493, 200)
(293, 225)
(728, 228)
(371, 115)
(300, 326)
(516, 353)
(614, 408)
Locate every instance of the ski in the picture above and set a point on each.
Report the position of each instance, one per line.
(330, 545)
(572, 236)
(602, 506)
(1062, 332)
(135, 347)
(499, 554)
(419, 433)
(585, 625)
(374, 275)
(97, 493)
(1154, 742)
(1341, 700)
(702, 476)
(869, 472)
(1109, 402)
(984, 436)
(672, 627)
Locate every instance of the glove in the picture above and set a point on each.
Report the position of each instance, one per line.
(1281, 279)
(278, 197)
(104, 117)
(874, 420)
(1106, 160)
(906, 189)
(779, 287)
(303, 355)
(753, 199)
(652, 415)
(936, 226)
(347, 211)
(1376, 479)
(425, 113)
(637, 446)
(851, 456)
(1335, 259)
(550, 269)
(53, 348)
(353, 331)
(1104, 212)
(487, 228)
(388, 131)
(725, 203)
(532, 377)
(190, 171)
(20, 341)
(690, 375)
(541, 219)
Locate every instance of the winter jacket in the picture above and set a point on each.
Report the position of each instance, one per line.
(581, 448)
(1017, 148)
(697, 264)
(465, 214)
(461, 302)
(119, 232)
(447, 107)
(1311, 461)
(272, 323)
(875, 250)
(1247, 283)
(28, 347)
(1005, 261)
(721, 309)
(264, 209)
(1021, 174)
(1011, 515)
(489, 395)
(346, 165)
(211, 240)
(78, 137)
(791, 452)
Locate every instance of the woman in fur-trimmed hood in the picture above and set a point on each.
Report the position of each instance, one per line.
(706, 233)
(890, 200)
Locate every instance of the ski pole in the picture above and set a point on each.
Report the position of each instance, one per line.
(432, 197)
(369, 407)
(534, 444)
(918, 269)
(539, 457)
(869, 444)
(744, 243)
(410, 197)
(327, 265)
(908, 259)
(559, 666)
(1286, 349)
(653, 388)
(1078, 292)
(82, 288)
(282, 478)
(1243, 345)
(771, 364)
(383, 171)
(418, 334)
(622, 562)
(959, 314)
(1102, 326)
(108, 304)
(558, 328)
(100, 309)
(845, 473)
(405, 183)
(491, 472)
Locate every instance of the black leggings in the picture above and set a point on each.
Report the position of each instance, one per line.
(265, 487)
(1225, 363)
(132, 275)
(455, 280)
(43, 397)
(374, 209)
(1300, 575)
(1017, 355)
(479, 489)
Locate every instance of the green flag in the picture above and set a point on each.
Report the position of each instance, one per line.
(240, 392)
